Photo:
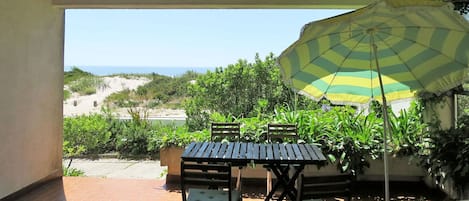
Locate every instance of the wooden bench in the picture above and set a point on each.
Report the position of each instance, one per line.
(325, 187)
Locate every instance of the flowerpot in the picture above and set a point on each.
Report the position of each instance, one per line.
(171, 157)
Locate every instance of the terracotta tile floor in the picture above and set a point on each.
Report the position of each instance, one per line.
(107, 189)
(103, 189)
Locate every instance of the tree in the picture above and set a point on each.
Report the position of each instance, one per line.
(461, 5)
(237, 91)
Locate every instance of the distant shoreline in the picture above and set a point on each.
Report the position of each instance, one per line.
(112, 70)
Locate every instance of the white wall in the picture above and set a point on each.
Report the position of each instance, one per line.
(31, 84)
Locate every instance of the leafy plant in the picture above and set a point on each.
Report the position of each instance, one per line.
(72, 172)
(133, 138)
(84, 134)
(447, 153)
(407, 130)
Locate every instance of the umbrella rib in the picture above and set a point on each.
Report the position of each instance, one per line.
(405, 64)
(343, 60)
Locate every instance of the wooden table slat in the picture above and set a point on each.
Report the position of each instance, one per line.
(262, 152)
(318, 153)
(195, 149)
(201, 150)
(215, 150)
(304, 152)
(222, 150)
(243, 151)
(188, 149)
(255, 153)
(312, 152)
(291, 154)
(236, 150)
(208, 150)
(249, 150)
(283, 150)
(270, 152)
(229, 150)
(297, 151)
(276, 148)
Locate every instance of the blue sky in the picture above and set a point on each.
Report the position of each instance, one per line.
(182, 38)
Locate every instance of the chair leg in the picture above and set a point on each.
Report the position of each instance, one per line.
(269, 182)
(238, 180)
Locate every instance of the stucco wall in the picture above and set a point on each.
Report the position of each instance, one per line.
(31, 84)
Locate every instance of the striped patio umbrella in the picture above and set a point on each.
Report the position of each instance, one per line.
(421, 46)
(388, 50)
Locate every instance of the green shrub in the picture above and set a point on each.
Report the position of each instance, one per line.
(72, 172)
(133, 138)
(446, 154)
(85, 134)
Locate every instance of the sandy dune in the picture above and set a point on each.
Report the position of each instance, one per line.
(86, 104)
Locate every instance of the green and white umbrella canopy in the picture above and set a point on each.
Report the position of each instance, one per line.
(422, 45)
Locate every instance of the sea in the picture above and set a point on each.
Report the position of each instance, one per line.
(168, 71)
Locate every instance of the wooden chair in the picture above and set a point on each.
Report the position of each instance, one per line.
(324, 187)
(230, 131)
(280, 133)
(225, 130)
(199, 175)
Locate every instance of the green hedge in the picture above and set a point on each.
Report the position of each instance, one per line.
(341, 132)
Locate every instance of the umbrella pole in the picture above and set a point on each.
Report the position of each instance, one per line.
(385, 126)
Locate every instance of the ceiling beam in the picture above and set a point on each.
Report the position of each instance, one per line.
(215, 4)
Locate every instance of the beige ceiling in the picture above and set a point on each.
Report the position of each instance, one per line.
(233, 4)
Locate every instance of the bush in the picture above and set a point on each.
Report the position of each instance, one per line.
(72, 172)
(446, 154)
(85, 134)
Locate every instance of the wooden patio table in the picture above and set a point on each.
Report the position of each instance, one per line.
(277, 157)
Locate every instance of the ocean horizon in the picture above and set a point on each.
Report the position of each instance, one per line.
(111, 70)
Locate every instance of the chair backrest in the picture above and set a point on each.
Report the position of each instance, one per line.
(325, 186)
(282, 132)
(205, 175)
(223, 130)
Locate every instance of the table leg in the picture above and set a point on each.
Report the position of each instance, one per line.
(284, 180)
(290, 189)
